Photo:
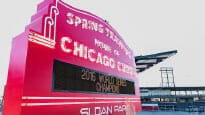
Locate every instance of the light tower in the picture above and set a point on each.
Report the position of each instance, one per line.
(167, 77)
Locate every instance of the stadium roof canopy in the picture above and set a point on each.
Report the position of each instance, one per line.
(147, 61)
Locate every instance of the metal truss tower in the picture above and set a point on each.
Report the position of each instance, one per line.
(167, 77)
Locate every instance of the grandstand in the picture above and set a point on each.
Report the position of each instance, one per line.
(168, 97)
(191, 99)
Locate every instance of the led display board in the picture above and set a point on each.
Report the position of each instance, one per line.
(69, 61)
(68, 77)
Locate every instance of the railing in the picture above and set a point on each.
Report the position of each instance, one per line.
(187, 107)
(172, 96)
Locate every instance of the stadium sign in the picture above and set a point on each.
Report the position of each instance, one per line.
(69, 61)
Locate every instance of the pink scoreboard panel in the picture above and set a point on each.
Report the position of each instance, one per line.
(70, 62)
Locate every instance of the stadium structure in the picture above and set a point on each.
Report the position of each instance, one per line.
(168, 96)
